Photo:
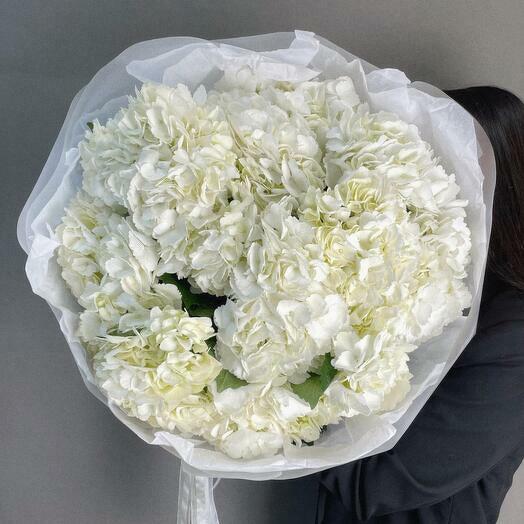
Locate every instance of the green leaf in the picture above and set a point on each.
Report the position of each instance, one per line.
(211, 343)
(116, 333)
(196, 304)
(226, 380)
(201, 311)
(312, 388)
(90, 126)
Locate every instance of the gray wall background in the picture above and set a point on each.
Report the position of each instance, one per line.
(63, 457)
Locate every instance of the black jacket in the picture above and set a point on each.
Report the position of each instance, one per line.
(456, 461)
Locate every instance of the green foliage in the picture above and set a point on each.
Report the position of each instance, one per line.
(226, 380)
(196, 304)
(312, 388)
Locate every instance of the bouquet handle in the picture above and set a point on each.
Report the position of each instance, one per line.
(196, 503)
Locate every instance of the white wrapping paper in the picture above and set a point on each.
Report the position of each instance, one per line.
(460, 143)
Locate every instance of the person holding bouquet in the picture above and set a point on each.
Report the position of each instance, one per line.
(456, 461)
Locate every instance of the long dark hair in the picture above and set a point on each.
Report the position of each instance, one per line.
(501, 114)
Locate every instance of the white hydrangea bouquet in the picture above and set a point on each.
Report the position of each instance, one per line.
(264, 256)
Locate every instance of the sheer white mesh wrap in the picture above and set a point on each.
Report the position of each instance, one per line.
(456, 138)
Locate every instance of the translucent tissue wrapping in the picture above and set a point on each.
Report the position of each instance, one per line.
(459, 142)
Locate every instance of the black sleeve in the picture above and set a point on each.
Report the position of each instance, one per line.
(473, 419)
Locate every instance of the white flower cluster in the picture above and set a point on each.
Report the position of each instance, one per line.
(334, 236)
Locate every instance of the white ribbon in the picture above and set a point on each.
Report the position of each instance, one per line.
(196, 504)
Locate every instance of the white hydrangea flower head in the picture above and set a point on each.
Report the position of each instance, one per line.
(153, 370)
(272, 338)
